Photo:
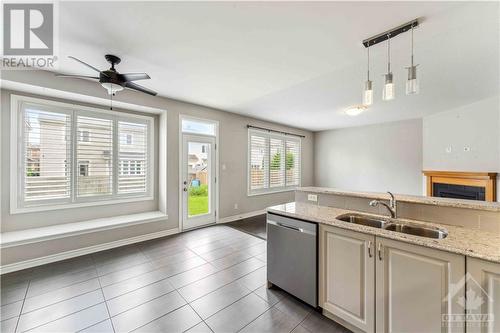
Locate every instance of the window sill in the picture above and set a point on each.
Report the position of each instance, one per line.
(280, 190)
(44, 208)
(35, 235)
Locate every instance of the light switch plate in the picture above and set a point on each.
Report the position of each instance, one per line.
(312, 197)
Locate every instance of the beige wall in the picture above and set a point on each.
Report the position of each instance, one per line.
(232, 153)
(379, 158)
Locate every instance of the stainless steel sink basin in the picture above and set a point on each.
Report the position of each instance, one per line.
(363, 220)
(393, 225)
(417, 230)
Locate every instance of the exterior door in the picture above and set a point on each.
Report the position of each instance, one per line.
(417, 288)
(347, 276)
(198, 181)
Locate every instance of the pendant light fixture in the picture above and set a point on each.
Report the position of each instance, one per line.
(388, 92)
(412, 82)
(368, 91)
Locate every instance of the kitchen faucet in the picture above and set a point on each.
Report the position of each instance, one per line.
(391, 207)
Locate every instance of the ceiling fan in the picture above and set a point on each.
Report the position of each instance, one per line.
(111, 79)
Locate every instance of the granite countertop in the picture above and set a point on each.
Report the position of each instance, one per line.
(469, 242)
(435, 201)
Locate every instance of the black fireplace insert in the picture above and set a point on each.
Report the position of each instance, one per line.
(459, 191)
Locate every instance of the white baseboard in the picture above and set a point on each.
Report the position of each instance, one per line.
(83, 251)
(241, 216)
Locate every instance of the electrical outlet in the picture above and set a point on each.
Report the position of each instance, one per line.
(235, 206)
(449, 149)
(312, 197)
(466, 149)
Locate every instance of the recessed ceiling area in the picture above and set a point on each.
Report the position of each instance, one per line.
(299, 64)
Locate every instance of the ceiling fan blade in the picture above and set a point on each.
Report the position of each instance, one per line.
(137, 87)
(134, 76)
(78, 76)
(84, 63)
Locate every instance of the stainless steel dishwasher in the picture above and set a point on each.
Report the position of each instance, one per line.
(292, 257)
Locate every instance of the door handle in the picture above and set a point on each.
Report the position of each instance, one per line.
(370, 249)
(185, 189)
(380, 251)
(185, 182)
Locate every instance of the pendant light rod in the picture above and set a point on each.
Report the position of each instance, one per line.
(381, 37)
(368, 65)
(388, 54)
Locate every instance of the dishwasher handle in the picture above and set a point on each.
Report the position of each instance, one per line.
(297, 229)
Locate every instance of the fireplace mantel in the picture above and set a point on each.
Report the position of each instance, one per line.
(481, 179)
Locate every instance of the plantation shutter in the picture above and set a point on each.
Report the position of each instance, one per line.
(276, 163)
(133, 163)
(47, 158)
(259, 157)
(94, 155)
(292, 163)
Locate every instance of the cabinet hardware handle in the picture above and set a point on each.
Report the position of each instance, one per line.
(380, 251)
(370, 249)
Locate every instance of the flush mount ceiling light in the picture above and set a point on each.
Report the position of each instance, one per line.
(389, 88)
(355, 110)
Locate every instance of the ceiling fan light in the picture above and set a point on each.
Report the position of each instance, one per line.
(368, 93)
(355, 110)
(112, 88)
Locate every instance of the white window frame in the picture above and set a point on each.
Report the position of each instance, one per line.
(268, 136)
(17, 163)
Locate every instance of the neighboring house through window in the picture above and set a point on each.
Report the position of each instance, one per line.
(61, 140)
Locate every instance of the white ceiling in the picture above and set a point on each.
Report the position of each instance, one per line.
(299, 64)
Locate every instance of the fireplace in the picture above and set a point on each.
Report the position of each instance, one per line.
(462, 185)
(458, 191)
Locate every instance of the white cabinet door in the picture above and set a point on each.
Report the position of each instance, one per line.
(417, 288)
(347, 276)
(483, 296)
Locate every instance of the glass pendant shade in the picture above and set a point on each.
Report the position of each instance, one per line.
(389, 92)
(368, 93)
(412, 82)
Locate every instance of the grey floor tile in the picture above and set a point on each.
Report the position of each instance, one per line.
(179, 267)
(271, 296)
(231, 260)
(139, 296)
(192, 275)
(147, 312)
(183, 256)
(9, 325)
(102, 327)
(293, 308)
(13, 293)
(58, 295)
(257, 249)
(52, 312)
(10, 310)
(204, 286)
(200, 328)
(255, 279)
(316, 322)
(301, 329)
(176, 321)
(243, 268)
(273, 321)
(45, 284)
(121, 263)
(217, 254)
(76, 321)
(126, 273)
(219, 299)
(237, 315)
(132, 284)
(69, 266)
(262, 257)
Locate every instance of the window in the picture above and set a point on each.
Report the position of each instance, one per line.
(198, 126)
(109, 154)
(273, 162)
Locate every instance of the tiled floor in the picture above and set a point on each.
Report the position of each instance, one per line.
(206, 280)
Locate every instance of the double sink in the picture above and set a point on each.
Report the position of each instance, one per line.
(394, 225)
